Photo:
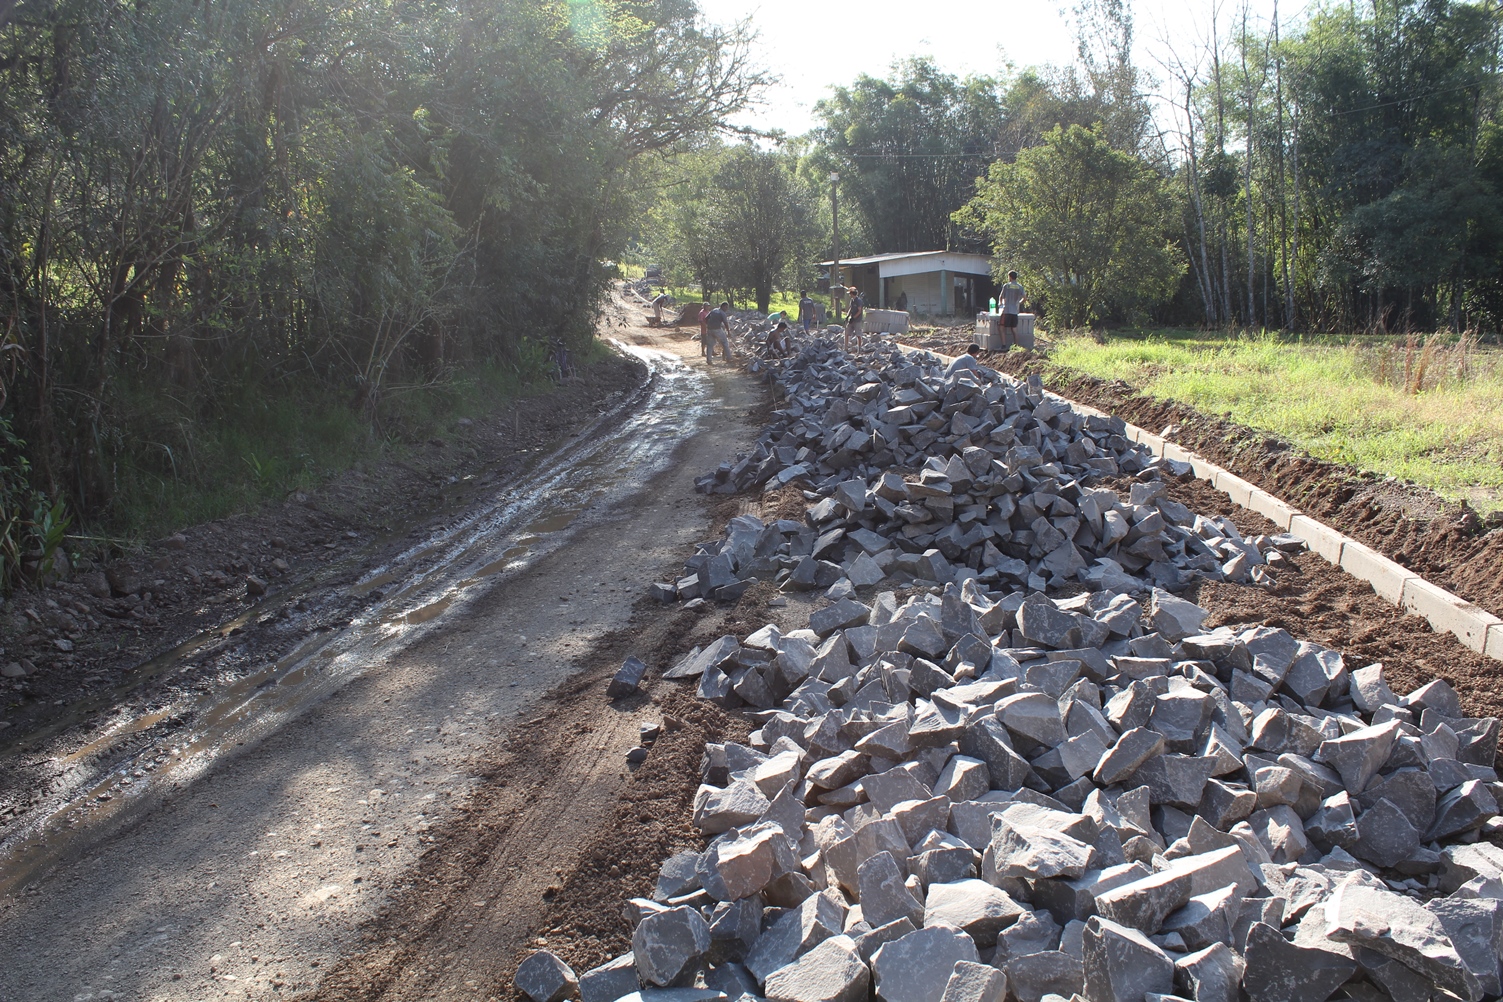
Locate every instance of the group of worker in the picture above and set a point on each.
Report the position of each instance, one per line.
(715, 324)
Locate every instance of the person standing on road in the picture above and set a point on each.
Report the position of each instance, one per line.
(661, 300)
(805, 309)
(855, 320)
(1013, 298)
(717, 327)
(704, 330)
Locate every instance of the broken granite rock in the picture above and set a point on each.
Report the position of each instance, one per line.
(610, 981)
(667, 946)
(542, 977)
(831, 972)
(974, 906)
(975, 983)
(1122, 965)
(627, 678)
(918, 966)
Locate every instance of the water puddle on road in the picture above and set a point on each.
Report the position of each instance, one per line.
(583, 480)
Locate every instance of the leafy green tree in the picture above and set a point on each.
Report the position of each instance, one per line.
(204, 207)
(736, 218)
(766, 219)
(907, 150)
(1083, 224)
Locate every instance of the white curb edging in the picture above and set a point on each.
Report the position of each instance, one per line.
(1474, 626)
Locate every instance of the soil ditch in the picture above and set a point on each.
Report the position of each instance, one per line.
(1443, 541)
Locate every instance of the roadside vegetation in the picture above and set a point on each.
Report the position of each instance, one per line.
(1427, 409)
(244, 244)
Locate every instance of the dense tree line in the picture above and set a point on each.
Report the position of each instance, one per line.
(1344, 175)
(205, 203)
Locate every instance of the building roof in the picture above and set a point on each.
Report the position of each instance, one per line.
(899, 256)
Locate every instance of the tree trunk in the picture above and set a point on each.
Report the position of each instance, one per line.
(1206, 298)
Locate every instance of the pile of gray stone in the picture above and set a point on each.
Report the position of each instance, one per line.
(965, 798)
(999, 490)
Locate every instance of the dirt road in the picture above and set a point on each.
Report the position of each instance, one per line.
(253, 875)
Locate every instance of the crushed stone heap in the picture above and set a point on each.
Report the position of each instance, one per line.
(979, 793)
(961, 799)
(999, 490)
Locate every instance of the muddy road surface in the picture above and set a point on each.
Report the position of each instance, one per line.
(242, 857)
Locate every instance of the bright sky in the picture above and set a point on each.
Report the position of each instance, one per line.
(800, 43)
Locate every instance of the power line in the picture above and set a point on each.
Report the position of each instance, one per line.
(1407, 97)
(911, 156)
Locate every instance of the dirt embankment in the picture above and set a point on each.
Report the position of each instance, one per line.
(1443, 541)
(77, 648)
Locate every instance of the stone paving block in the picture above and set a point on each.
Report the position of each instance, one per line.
(974, 906)
(831, 972)
(1279, 971)
(883, 894)
(1038, 976)
(627, 678)
(1121, 964)
(610, 981)
(975, 983)
(668, 945)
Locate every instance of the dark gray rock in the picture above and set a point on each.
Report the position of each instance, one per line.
(1121, 964)
(667, 946)
(831, 972)
(611, 980)
(1279, 971)
(542, 977)
(917, 967)
(626, 680)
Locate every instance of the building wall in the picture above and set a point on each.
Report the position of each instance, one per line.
(924, 294)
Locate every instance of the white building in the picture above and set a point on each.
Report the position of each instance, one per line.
(935, 283)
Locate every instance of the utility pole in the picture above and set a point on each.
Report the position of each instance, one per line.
(835, 226)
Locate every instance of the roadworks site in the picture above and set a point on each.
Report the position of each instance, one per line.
(811, 675)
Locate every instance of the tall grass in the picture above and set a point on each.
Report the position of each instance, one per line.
(1423, 409)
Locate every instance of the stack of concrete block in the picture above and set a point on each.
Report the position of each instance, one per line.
(955, 798)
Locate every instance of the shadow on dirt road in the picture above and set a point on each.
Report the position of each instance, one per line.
(295, 804)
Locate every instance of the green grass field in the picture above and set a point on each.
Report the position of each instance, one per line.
(1430, 410)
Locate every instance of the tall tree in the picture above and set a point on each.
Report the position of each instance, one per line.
(908, 150)
(1085, 225)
